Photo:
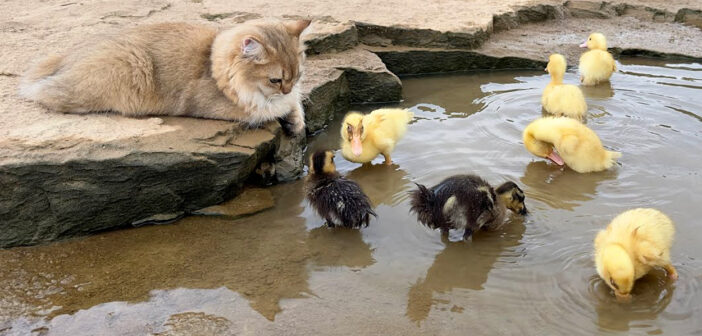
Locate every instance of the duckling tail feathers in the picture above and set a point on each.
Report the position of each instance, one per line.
(422, 193)
(614, 155)
(422, 201)
(612, 158)
(366, 219)
(410, 115)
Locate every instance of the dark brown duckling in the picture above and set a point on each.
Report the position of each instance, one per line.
(340, 201)
(466, 201)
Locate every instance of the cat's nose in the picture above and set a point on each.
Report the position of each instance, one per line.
(286, 89)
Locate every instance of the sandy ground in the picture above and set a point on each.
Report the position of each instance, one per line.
(32, 29)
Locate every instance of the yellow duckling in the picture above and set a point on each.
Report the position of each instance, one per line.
(363, 137)
(562, 99)
(597, 64)
(634, 242)
(578, 146)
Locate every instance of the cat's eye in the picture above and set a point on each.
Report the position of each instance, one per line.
(275, 80)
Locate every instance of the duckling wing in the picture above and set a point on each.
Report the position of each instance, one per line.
(350, 203)
(568, 145)
(486, 220)
(470, 206)
(384, 142)
(388, 126)
(649, 254)
(648, 247)
(322, 197)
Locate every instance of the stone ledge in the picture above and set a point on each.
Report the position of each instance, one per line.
(520, 16)
(689, 16)
(113, 184)
(413, 61)
(382, 36)
(331, 37)
(336, 80)
(626, 35)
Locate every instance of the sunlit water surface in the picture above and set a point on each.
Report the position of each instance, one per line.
(280, 272)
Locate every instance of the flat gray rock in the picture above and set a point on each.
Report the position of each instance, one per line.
(249, 202)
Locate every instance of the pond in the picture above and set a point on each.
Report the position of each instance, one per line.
(281, 272)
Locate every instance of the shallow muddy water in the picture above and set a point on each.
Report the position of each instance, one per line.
(279, 272)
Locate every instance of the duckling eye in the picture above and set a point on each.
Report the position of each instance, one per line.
(361, 128)
(348, 128)
(611, 281)
(275, 80)
(589, 39)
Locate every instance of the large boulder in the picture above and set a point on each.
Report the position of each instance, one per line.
(74, 180)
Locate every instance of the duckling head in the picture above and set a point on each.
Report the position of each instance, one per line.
(541, 148)
(618, 270)
(322, 162)
(556, 67)
(352, 131)
(595, 41)
(513, 197)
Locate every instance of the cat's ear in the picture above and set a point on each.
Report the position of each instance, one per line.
(295, 28)
(252, 49)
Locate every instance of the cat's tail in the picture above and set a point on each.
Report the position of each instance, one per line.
(45, 68)
(44, 84)
(35, 81)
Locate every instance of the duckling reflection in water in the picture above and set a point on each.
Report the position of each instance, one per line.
(650, 298)
(555, 186)
(466, 202)
(601, 91)
(333, 248)
(463, 266)
(336, 199)
(384, 184)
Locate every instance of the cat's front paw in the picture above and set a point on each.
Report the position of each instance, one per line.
(293, 125)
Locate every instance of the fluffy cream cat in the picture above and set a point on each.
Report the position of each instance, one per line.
(249, 73)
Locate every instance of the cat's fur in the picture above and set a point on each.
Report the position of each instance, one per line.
(180, 69)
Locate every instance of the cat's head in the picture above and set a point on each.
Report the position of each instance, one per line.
(259, 57)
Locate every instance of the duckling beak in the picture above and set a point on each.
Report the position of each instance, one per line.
(356, 146)
(622, 298)
(584, 44)
(546, 69)
(553, 156)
